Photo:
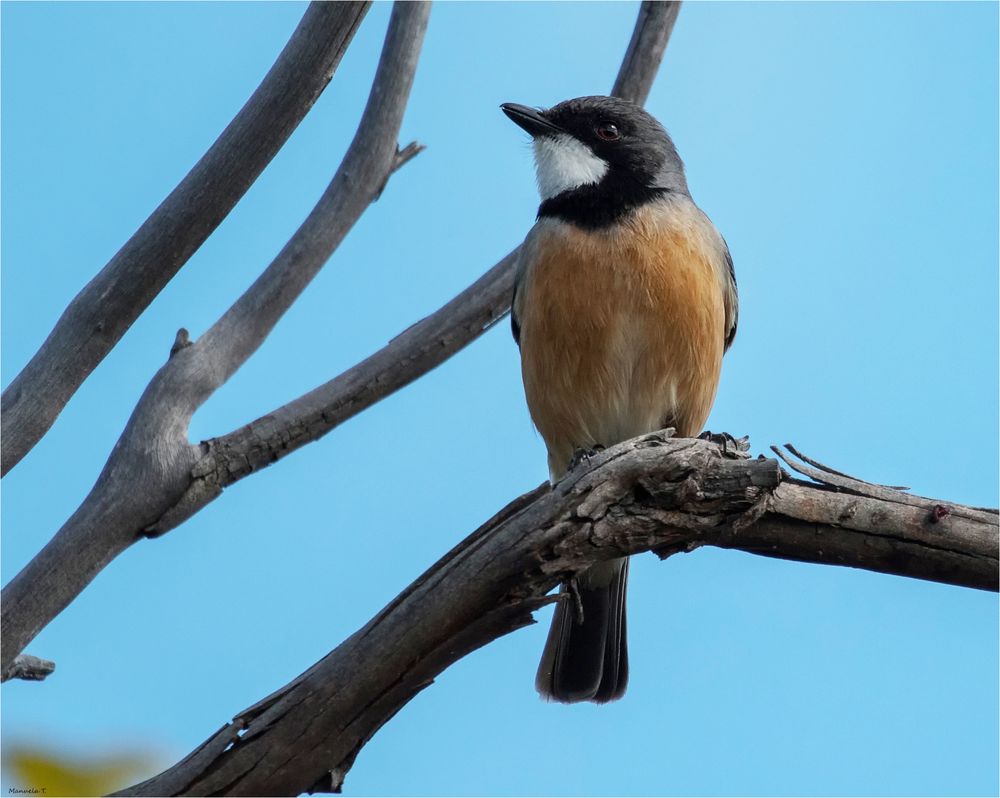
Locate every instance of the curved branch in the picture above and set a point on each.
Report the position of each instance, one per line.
(645, 51)
(107, 306)
(371, 158)
(653, 493)
(268, 439)
(155, 479)
(150, 466)
(410, 355)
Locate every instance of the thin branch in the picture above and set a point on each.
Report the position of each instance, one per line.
(370, 159)
(155, 480)
(403, 157)
(426, 344)
(107, 306)
(653, 493)
(29, 668)
(410, 355)
(829, 470)
(843, 482)
(645, 50)
(150, 466)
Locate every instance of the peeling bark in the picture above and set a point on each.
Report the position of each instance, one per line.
(653, 493)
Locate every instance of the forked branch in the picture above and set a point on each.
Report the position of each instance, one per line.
(414, 352)
(151, 465)
(155, 478)
(106, 307)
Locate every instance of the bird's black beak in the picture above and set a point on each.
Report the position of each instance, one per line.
(531, 119)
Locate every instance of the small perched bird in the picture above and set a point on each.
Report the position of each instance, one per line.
(624, 303)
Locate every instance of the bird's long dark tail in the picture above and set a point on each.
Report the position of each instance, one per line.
(586, 654)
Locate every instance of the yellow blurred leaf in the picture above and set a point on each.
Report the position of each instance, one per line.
(56, 775)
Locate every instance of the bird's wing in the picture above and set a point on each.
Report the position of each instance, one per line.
(731, 298)
(525, 255)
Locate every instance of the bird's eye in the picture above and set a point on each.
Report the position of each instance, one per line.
(608, 131)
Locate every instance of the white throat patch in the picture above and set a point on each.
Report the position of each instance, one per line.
(563, 163)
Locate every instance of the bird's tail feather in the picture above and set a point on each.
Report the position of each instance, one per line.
(588, 661)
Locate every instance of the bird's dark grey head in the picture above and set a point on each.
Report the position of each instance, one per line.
(599, 157)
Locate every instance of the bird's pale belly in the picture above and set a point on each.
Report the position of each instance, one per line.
(621, 332)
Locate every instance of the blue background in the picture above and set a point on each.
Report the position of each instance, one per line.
(849, 155)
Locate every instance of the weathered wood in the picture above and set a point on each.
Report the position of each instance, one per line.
(29, 668)
(653, 493)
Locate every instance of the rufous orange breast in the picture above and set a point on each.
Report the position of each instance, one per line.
(622, 329)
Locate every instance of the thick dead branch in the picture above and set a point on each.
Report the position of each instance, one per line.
(29, 668)
(150, 466)
(107, 306)
(654, 493)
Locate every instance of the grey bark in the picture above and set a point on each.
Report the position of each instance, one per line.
(107, 306)
(645, 50)
(151, 464)
(654, 493)
(155, 479)
(29, 668)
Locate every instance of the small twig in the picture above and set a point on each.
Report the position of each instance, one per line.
(859, 487)
(403, 156)
(28, 668)
(828, 476)
(829, 470)
(182, 341)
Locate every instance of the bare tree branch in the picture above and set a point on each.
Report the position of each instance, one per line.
(653, 493)
(107, 306)
(155, 479)
(410, 355)
(645, 51)
(29, 668)
(150, 466)
(429, 342)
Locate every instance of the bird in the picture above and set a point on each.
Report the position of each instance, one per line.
(625, 301)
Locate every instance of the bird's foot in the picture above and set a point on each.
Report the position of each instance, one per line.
(731, 447)
(582, 456)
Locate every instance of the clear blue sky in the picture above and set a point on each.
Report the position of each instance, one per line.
(849, 155)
